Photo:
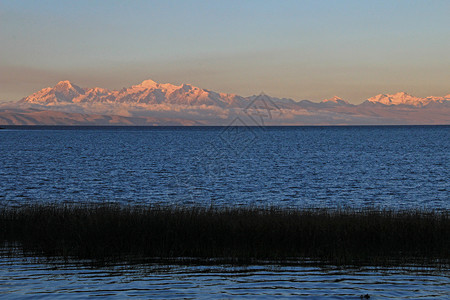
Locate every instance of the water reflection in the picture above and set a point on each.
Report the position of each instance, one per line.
(29, 278)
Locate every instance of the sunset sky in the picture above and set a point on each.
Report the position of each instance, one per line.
(298, 49)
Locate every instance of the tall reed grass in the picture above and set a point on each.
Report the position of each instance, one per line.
(111, 232)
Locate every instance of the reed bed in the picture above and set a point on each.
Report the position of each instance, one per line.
(113, 232)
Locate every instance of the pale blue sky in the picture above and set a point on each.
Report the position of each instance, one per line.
(297, 49)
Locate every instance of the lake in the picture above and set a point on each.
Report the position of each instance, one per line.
(396, 167)
(28, 278)
(392, 167)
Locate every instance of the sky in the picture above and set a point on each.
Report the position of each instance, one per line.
(296, 49)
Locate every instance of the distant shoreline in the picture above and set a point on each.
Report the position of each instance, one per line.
(213, 126)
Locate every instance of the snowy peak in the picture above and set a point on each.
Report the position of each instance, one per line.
(150, 99)
(335, 101)
(147, 92)
(400, 98)
(66, 86)
(145, 85)
(150, 92)
(63, 91)
(149, 84)
(97, 90)
(164, 87)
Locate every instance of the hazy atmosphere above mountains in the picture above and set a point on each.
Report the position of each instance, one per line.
(288, 49)
(152, 103)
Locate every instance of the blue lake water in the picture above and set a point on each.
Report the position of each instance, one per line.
(29, 278)
(397, 167)
(387, 167)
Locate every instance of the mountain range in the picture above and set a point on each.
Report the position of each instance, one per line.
(152, 103)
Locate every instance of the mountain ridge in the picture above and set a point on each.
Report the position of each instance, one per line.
(69, 91)
(166, 101)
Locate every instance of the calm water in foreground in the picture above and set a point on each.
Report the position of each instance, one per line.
(387, 167)
(26, 278)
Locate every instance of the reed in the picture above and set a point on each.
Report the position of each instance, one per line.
(112, 232)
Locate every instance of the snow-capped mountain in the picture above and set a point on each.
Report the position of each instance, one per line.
(151, 92)
(335, 101)
(147, 92)
(403, 98)
(64, 91)
(149, 101)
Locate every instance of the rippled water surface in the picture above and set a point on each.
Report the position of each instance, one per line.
(393, 167)
(387, 167)
(26, 278)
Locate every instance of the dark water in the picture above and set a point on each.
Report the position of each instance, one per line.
(385, 167)
(393, 167)
(25, 278)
